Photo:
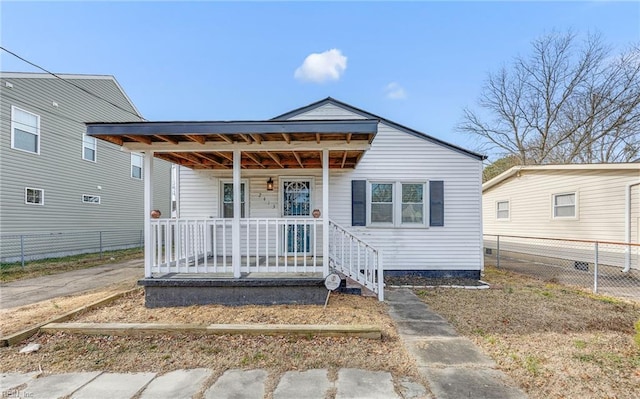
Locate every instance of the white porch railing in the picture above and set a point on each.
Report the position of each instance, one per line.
(356, 259)
(194, 246)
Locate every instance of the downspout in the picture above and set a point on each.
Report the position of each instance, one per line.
(627, 227)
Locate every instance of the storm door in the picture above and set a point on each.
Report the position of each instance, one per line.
(296, 204)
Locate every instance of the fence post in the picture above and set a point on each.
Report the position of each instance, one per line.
(100, 245)
(22, 249)
(498, 252)
(595, 269)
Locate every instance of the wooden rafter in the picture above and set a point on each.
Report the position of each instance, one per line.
(114, 139)
(255, 159)
(348, 138)
(286, 137)
(188, 156)
(196, 138)
(211, 158)
(295, 154)
(224, 155)
(318, 138)
(257, 138)
(246, 138)
(275, 158)
(141, 139)
(168, 139)
(226, 138)
(344, 160)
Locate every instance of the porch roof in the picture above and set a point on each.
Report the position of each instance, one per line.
(271, 144)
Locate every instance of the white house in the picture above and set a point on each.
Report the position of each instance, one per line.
(326, 187)
(589, 202)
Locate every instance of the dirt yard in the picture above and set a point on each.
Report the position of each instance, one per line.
(62, 352)
(554, 341)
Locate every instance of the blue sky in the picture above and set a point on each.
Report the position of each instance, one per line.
(416, 63)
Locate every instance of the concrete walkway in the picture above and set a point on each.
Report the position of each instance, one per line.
(236, 384)
(452, 365)
(28, 291)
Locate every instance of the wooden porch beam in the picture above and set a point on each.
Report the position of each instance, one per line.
(141, 139)
(344, 160)
(225, 138)
(275, 158)
(168, 139)
(254, 159)
(333, 145)
(295, 154)
(287, 137)
(196, 138)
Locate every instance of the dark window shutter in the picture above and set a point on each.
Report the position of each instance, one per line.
(358, 202)
(436, 203)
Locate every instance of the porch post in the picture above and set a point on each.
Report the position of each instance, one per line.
(325, 212)
(147, 170)
(235, 236)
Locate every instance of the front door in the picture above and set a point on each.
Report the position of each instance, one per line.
(296, 204)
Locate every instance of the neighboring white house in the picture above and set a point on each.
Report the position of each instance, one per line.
(596, 202)
(395, 198)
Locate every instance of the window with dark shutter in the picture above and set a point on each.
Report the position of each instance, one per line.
(358, 202)
(436, 203)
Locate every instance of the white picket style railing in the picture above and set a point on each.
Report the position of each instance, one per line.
(356, 259)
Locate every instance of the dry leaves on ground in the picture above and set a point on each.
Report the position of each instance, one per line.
(553, 340)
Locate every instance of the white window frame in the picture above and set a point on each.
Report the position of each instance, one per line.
(508, 210)
(133, 155)
(93, 147)
(554, 206)
(246, 197)
(14, 126)
(85, 196)
(397, 204)
(26, 190)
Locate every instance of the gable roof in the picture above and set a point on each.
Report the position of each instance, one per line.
(577, 167)
(68, 76)
(368, 115)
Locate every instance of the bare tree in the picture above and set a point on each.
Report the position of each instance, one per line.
(567, 102)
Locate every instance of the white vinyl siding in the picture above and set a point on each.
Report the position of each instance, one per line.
(33, 196)
(564, 205)
(136, 165)
(600, 204)
(91, 199)
(25, 130)
(89, 148)
(502, 210)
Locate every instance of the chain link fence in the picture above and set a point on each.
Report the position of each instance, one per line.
(21, 248)
(610, 268)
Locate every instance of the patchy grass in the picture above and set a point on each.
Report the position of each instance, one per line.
(65, 353)
(554, 341)
(15, 271)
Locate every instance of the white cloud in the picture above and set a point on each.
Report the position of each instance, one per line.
(395, 92)
(320, 67)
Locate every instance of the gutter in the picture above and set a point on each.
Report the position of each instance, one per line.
(627, 226)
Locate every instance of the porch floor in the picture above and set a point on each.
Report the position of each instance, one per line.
(229, 276)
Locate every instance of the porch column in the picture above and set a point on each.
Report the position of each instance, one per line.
(325, 212)
(235, 236)
(147, 170)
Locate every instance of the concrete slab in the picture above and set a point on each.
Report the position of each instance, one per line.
(448, 352)
(363, 384)
(114, 386)
(57, 385)
(238, 384)
(425, 328)
(9, 381)
(179, 384)
(456, 383)
(310, 384)
(413, 390)
(415, 311)
(399, 295)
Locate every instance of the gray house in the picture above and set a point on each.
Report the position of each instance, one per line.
(62, 192)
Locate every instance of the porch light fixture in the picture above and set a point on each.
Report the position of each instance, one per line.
(270, 184)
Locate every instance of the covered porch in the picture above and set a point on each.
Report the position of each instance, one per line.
(293, 241)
